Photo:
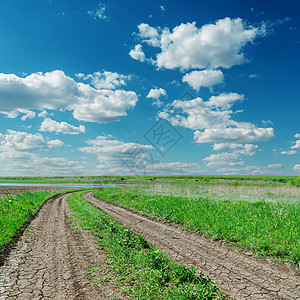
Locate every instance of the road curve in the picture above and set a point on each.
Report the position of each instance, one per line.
(238, 275)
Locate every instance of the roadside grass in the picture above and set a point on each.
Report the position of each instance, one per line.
(145, 272)
(264, 227)
(16, 211)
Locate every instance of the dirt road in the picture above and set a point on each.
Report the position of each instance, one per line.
(238, 275)
(54, 260)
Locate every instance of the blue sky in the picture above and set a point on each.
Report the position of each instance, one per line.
(165, 87)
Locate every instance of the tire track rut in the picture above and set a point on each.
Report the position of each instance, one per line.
(52, 260)
(235, 273)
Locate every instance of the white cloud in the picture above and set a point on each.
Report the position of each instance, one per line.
(54, 143)
(194, 114)
(246, 149)
(54, 90)
(297, 143)
(28, 114)
(173, 168)
(269, 170)
(43, 114)
(156, 94)
(158, 103)
(137, 53)
(106, 79)
(149, 35)
(224, 100)
(205, 78)
(23, 163)
(162, 8)
(63, 127)
(275, 166)
(296, 146)
(98, 12)
(23, 141)
(297, 168)
(223, 159)
(289, 152)
(254, 75)
(267, 122)
(104, 106)
(246, 134)
(116, 156)
(212, 121)
(229, 171)
(212, 45)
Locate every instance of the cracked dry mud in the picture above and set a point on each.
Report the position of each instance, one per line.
(54, 260)
(235, 273)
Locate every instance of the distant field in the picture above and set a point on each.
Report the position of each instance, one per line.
(160, 179)
(268, 224)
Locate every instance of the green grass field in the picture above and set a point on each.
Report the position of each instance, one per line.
(16, 210)
(160, 179)
(262, 215)
(149, 273)
(265, 227)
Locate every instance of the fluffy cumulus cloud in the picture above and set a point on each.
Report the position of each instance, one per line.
(156, 94)
(245, 133)
(295, 148)
(223, 159)
(289, 152)
(225, 100)
(149, 35)
(106, 79)
(19, 154)
(43, 114)
(23, 141)
(55, 90)
(186, 46)
(212, 120)
(27, 114)
(246, 149)
(297, 168)
(116, 156)
(137, 53)
(23, 163)
(297, 143)
(104, 106)
(62, 127)
(205, 78)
